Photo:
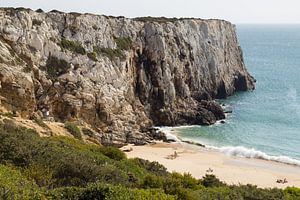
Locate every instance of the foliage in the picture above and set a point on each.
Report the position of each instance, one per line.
(113, 153)
(74, 46)
(34, 167)
(123, 43)
(292, 193)
(73, 129)
(13, 185)
(109, 52)
(88, 132)
(8, 114)
(92, 56)
(56, 67)
(36, 22)
(210, 180)
(156, 19)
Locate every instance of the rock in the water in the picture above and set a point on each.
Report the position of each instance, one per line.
(119, 75)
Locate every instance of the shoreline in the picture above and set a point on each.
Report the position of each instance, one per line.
(197, 161)
(236, 151)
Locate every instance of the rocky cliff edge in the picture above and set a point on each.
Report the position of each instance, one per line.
(120, 76)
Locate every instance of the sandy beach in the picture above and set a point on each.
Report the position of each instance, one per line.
(232, 170)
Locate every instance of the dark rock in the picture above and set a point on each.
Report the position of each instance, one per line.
(215, 108)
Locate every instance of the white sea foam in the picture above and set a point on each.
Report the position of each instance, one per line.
(244, 152)
(167, 131)
(238, 151)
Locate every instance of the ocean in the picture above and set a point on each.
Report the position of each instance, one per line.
(265, 123)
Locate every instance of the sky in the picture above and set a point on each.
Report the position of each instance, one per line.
(236, 11)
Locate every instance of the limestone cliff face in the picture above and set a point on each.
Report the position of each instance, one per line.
(118, 75)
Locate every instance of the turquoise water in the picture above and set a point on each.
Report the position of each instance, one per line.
(265, 123)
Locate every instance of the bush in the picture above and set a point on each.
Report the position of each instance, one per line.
(92, 56)
(8, 114)
(42, 175)
(152, 167)
(13, 185)
(113, 153)
(56, 67)
(34, 167)
(123, 43)
(152, 181)
(292, 193)
(88, 132)
(74, 130)
(210, 180)
(108, 192)
(74, 46)
(36, 22)
(108, 52)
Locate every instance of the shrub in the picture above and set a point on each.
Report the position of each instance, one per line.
(8, 114)
(123, 43)
(88, 132)
(73, 129)
(13, 185)
(152, 167)
(56, 67)
(210, 180)
(156, 19)
(292, 193)
(36, 22)
(152, 181)
(92, 56)
(40, 122)
(113, 153)
(108, 52)
(74, 46)
(41, 174)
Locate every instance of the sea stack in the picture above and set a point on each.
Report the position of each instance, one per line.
(120, 76)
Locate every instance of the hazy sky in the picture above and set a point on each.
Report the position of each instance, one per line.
(236, 11)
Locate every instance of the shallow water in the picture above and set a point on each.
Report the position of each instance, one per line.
(265, 123)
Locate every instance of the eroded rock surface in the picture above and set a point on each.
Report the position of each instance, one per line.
(119, 75)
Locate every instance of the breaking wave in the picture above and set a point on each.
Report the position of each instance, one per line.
(244, 152)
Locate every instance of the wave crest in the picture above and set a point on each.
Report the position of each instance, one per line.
(244, 152)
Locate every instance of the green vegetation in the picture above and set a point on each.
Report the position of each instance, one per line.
(33, 167)
(108, 52)
(123, 43)
(56, 67)
(73, 129)
(88, 132)
(36, 22)
(8, 114)
(156, 19)
(74, 46)
(92, 56)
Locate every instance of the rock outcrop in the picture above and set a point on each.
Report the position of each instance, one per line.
(119, 75)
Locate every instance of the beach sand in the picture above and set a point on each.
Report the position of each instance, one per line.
(232, 170)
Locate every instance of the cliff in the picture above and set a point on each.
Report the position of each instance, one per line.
(119, 75)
